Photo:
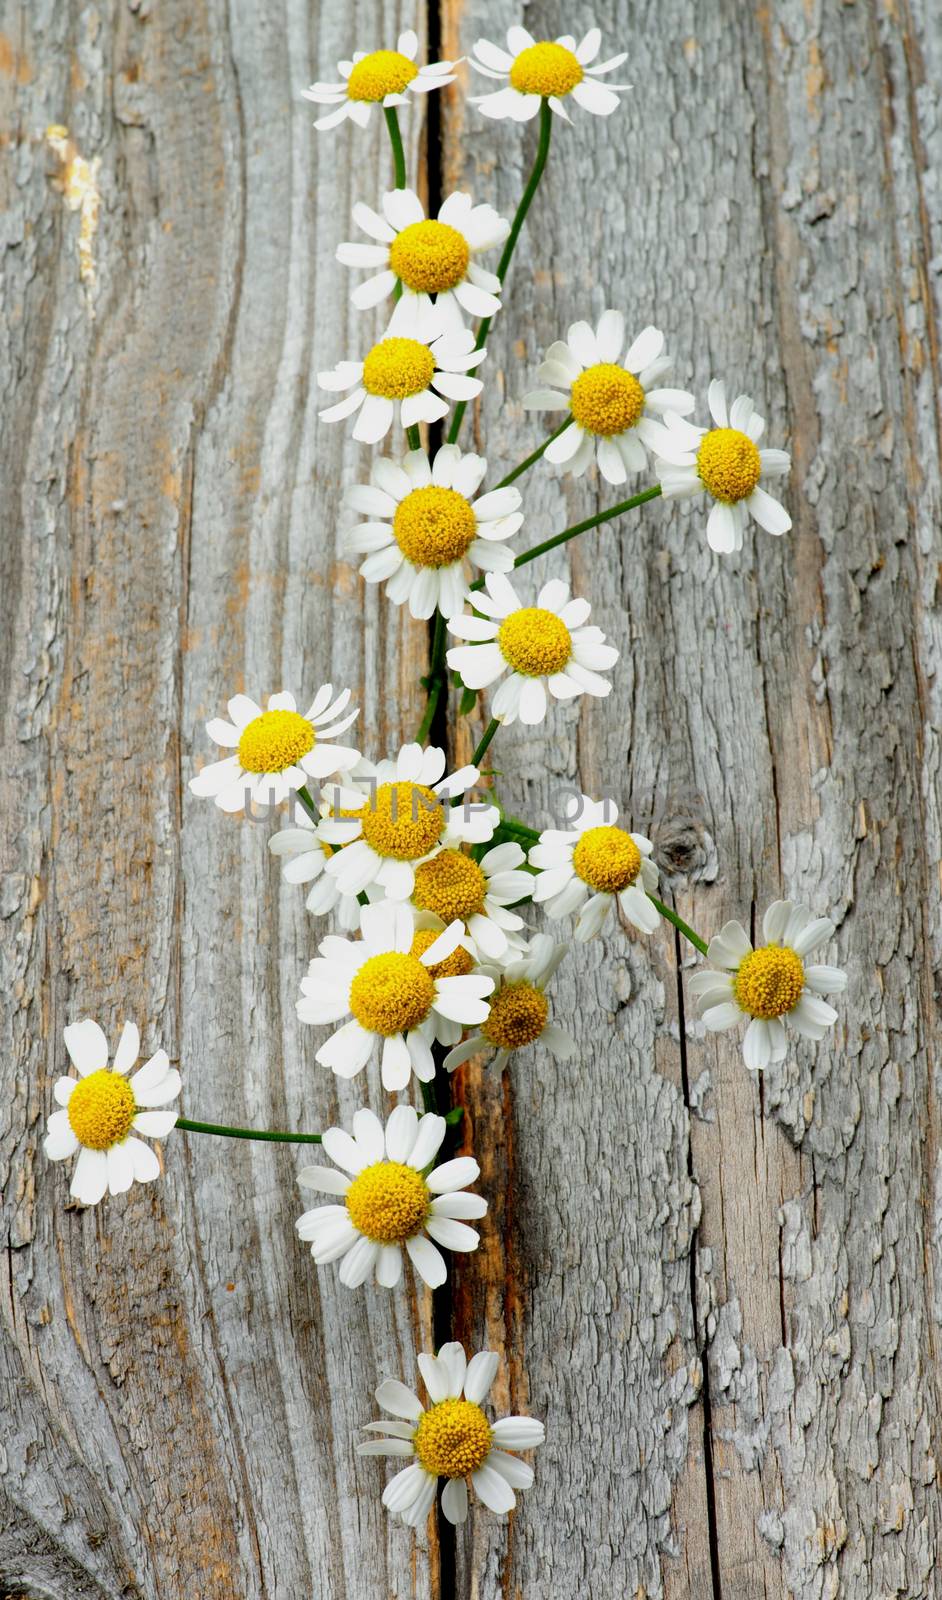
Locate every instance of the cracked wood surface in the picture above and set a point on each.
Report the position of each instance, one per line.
(723, 1295)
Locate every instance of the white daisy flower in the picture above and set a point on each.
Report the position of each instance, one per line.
(305, 855)
(546, 70)
(396, 814)
(451, 1438)
(104, 1108)
(545, 646)
(590, 866)
(413, 374)
(394, 1199)
(616, 404)
(427, 257)
(398, 992)
(519, 1010)
(276, 750)
(380, 78)
(726, 463)
(771, 984)
(423, 523)
(453, 887)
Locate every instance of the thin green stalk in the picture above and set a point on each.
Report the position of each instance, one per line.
(266, 1134)
(532, 459)
(679, 924)
(414, 437)
(429, 1097)
(542, 151)
(395, 139)
(435, 679)
(581, 527)
(304, 795)
(486, 738)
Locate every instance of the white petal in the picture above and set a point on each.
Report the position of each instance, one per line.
(87, 1046)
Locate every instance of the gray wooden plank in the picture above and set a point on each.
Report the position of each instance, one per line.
(765, 196)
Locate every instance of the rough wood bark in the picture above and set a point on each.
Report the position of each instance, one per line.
(724, 1296)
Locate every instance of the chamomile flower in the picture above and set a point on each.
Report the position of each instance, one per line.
(545, 69)
(104, 1109)
(396, 814)
(616, 402)
(593, 865)
(413, 374)
(453, 887)
(424, 522)
(426, 257)
(545, 646)
(399, 992)
(726, 463)
(276, 750)
(450, 1438)
(771, 985)
(519, 1010)
(381, 77)
(305, 856)
(391, 1201)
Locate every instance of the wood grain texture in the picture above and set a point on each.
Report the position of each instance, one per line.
(724, 1296)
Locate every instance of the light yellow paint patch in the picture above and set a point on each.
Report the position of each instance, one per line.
(79, 183)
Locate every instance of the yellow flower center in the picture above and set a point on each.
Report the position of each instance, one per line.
(396, 368)
(517, 1016)
(607, 859)
(388, 1202)
(391, 993)
(101, 1109)
(728, 463)
(404, 820)
(606, 399)
(535, 642)
(429, 257)
(274, 741)
(434, 527)
(545, 69)
(451, 885)
(382, 73)
(769, 981)
(452, 1439)
(457, 965)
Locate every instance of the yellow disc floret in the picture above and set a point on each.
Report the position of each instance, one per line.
(451, 885)
(434, 527)
(457, 965)
(404, 820)
(388, 1202)
(729, 464)
(379, 74)
(101, 1109)
(535, 642)
(769, 981)
(429, 257)
(517, 1016)
(453, 1439)
(391, 993)
(546, 69)
(606, 399)
(274, 741)
(396, 368)
(607, 859)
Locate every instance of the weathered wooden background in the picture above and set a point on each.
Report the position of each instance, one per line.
(724, 1295)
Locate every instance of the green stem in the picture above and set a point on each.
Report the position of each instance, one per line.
(531, 459)
(304, 795)
(679, 924)
(486, 738)
(581, 527)
(542, 151)
(429, 1097)
(266, 1134)
(414, 437)
(395, 139)
(435, 679)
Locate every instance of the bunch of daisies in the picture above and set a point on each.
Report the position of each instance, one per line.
(436, 958)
